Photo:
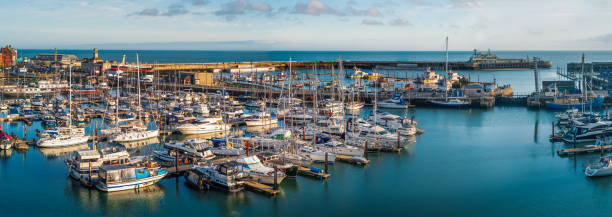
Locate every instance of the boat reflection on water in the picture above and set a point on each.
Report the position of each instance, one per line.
(116, 203)
(6, 154)
(261, 129)
(63, 152)
(230, 204)
(184, 138)
(140, 144)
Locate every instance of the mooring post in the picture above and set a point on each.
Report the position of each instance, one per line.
(325, 162)
(177, 161)
(90, 172)
(574, 140)
(398, 139)
(365, 150)
(248, 148)
(275, 178)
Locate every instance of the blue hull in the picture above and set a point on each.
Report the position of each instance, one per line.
(595, 103)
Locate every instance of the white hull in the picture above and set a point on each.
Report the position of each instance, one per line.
(57, 142)
(264, 179)
(391, 106)
(135, 136)
(140, 183)
(262, 122)
(202, 129)
(6, 146)
(598, 172)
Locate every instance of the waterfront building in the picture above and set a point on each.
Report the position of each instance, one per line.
(62, 59)
(8, 56)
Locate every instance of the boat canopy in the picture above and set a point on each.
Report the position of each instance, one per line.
(87, 154)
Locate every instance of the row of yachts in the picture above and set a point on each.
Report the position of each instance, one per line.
(294, 135)
(592, 131)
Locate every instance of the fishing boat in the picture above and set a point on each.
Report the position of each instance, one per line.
(574, 103)
(126, 177)
(258, 172)
(225, 176)
(358, 74)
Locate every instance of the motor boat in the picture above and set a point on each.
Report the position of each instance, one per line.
(258, 172)
(207, 125)
(227, 176)
(316, 155)
(131, 176)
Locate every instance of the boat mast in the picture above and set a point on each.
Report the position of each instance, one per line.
(138, 83)
(117, 93)
(446, 72)
(70, 96)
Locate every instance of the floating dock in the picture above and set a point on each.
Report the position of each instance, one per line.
(574, 151)
(261, 188)
(303, 171)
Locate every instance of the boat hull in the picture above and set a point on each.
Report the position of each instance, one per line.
(140, 183)
(595, 103)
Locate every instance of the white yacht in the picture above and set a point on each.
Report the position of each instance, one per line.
(337, 147)
(258, 172)
(316, 155)
(227, 177)
(207, 125)
(392, 103)
(134, 134)
(65, 137)
(261, 119)
(602, 168)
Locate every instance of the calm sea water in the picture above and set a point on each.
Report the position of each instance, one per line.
(475, 162)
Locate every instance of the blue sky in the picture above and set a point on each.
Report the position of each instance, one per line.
(308, 24)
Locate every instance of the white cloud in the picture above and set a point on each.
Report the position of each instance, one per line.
(371, 22)
(400, 22)
(315, 8)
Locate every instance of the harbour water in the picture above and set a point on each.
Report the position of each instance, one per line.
(473, 162)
